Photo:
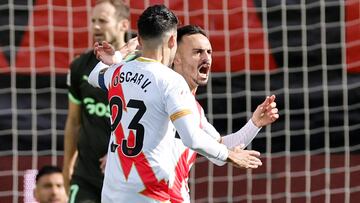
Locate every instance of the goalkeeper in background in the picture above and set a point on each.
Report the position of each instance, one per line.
(87, 129)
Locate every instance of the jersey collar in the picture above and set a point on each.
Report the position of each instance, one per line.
(143, 59)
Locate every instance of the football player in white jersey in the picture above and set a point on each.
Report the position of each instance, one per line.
(145, 96)
(193, 61)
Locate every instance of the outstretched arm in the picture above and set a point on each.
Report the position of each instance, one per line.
(196, 139)
(265, 114)
(181, 107)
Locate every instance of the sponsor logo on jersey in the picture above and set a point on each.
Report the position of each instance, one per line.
(99, 109)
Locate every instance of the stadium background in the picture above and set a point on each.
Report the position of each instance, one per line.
(307, 52)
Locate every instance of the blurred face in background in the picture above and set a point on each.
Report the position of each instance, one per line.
(50, 189)
(106, 26)
(193, 59)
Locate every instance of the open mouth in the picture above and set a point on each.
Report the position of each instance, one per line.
(98, 36)
(204, 70)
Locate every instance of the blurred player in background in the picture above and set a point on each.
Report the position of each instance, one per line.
(87, 128)
(50, 185)
(144, 96)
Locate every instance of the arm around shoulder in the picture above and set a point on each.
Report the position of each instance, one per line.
(95, 74)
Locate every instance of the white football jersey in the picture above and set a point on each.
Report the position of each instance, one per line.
(185, 158)
(179, 192)
(144, 97)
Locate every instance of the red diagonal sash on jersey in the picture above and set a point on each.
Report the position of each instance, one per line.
(153, 188)
(181, 173)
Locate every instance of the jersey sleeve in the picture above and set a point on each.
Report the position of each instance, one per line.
(101, 75)
(181, 106)
(243, 136)
(177, 95)
(211, 131)
(208, 127)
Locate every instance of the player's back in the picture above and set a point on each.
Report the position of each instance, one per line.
(141, 97)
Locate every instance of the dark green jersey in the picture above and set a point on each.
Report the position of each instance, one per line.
(95, 119)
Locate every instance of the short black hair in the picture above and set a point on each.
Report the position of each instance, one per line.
(189, 30)
(46, 170)
(155, 21)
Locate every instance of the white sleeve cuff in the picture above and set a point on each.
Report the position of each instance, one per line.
(198, 140)
(217, 162)
(223, 154)
(94, 75)
(118, 57)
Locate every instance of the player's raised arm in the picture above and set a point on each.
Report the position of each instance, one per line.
(97, 76)
(196, 139)
(181, 106)
(100, 76)
(266, 113)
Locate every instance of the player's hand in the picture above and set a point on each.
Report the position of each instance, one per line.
(102, 161)
(130, 47)
(105, 52)
(266, 113)
(240, 146)
(244, 158)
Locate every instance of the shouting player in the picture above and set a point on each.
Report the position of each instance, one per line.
(193, 62)
(144, 95)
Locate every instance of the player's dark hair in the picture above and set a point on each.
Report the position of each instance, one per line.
(122, 11)
(46, 170)
(155, 21)
(189, 30)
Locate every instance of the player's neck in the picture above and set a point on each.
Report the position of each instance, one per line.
(152, 54)
(193, 90)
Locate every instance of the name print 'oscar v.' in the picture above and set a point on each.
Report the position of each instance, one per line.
(132, 77)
